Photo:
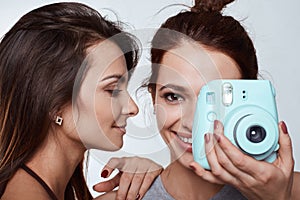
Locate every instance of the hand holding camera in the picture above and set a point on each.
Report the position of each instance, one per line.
(247, 108)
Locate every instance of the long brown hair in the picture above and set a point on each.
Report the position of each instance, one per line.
(205, 24)
(39, 59)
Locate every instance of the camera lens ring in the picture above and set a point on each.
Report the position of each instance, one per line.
(237, 122)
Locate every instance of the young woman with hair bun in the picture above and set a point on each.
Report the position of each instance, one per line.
(202, 45)
(190, 49)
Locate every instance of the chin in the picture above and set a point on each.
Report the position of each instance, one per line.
(117, 147)
(186, 159)
(114, 147)
(110, 146)
(181, 155)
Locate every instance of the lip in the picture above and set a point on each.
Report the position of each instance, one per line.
(121, 129)
(186, 146)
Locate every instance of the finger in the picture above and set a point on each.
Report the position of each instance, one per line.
(125, 182)
(234, 176)
(212, 159)
(136, 183)
(147, 181)
(112, 164)
(110, 195)
(204, 174)
(108, 185)
(216, 169)
(241, 161)
(211, 154)
(285, 152)
(223, 159)
(218, 127)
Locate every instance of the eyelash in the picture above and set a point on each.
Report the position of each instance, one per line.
(114, 93)
(172, 98)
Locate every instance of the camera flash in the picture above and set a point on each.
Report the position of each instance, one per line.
(227, 94)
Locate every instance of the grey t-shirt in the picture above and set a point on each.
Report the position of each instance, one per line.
(157, 191)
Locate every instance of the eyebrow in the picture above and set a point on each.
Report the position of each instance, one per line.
(174, 87)
(115, 76)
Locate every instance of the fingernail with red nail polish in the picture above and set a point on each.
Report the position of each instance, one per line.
(217, 137)
(284, 128)
(206, 138)
(104, 174)
(192, 167)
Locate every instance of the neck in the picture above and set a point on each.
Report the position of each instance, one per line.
(191, 186)
(55, 162)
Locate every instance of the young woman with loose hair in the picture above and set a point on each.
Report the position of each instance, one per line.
(64, 71)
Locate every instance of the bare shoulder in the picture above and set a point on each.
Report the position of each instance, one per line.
(23, 186)
(108, 195)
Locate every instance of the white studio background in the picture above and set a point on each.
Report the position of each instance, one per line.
(274, 26)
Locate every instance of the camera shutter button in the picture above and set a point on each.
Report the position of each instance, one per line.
(211, 116)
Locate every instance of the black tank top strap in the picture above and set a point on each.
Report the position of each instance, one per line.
(43, 184)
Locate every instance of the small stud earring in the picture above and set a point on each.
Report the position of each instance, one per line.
(59, 120)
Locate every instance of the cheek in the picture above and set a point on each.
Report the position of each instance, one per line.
(161, 115)
(167, 115)
(115, 107)
(103, 109)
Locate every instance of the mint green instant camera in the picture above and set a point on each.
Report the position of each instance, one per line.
(247, 109)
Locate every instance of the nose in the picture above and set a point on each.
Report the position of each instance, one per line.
(130, 108)
(188, 116)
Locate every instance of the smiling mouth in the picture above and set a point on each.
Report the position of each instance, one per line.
(184, 142)
(187, 140)
(184, 139)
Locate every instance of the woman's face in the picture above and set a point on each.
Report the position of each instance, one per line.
(183, 71)
(103, 104)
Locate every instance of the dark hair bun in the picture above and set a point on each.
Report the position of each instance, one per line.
(211, 5)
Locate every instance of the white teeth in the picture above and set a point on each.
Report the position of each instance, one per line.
(186, 140)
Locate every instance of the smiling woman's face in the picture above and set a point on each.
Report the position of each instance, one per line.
(103, 104)
(183, 71)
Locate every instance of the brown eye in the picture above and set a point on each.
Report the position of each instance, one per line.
(173, 98)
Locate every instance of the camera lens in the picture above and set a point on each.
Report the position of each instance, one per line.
(256, 134)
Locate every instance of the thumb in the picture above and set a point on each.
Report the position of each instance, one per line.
(108, 185)
(285, 152)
